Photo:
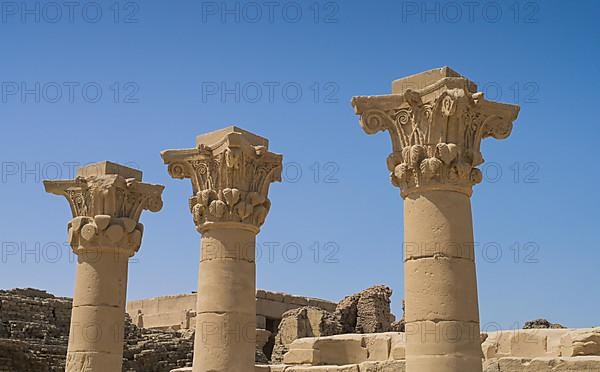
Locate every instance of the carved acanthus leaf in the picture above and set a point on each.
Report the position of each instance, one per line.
(230, 180)
(106, 211)
(436, 133)
(110, 195)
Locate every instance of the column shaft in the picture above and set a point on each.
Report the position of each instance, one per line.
(226, 321)
(98, 315)
(442, 315)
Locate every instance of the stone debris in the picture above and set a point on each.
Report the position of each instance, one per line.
(399, 325)
(156, 350)
(541, 324)
(34, 328)
(563, 364)
(581, 342)
(367, 311)
(303, 322)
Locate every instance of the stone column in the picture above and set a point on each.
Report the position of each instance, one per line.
(231, 170)
(436, 121)
(107, 200)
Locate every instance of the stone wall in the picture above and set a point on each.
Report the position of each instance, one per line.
(178, 312)
(34, 335)
(34, 329)
(536, 343)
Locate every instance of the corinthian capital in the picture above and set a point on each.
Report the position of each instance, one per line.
(436, 120)
(106, 201)
(231, 170)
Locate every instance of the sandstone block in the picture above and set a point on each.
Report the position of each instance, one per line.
(386, 366)
(581, 342)
(300, 323)
(302, 356)
(378, 346)
(342, 349)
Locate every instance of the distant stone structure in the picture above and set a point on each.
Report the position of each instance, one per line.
(367, 311)
(34, 333)
(178, 312)
(540, 323)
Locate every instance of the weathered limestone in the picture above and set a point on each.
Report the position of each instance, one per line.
(231, 171)
(367, 311)
(300, 323)
(541, 324)
(174, 312)
(107, 201)
(562, 364)
(525, 343)
(347, 349)
(581, 342)
(436, 121)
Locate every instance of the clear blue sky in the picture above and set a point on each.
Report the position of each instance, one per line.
(170, 56)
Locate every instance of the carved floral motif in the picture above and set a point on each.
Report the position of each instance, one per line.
(230, 180)
(436, 134)
(104, 233)
(108, 195)
(106, 211)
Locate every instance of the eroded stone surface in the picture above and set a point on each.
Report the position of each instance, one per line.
(581, 342)
(300, 323)
(367, 311)
(541, 323)
(563, 364)
(436, 130)
(347, 349)
(231, 170)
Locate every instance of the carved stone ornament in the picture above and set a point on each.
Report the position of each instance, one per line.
(106, 208)
(231, 171)
(436, 130)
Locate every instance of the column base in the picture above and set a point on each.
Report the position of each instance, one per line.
(444, 363)
(91, 361)
(443, 346)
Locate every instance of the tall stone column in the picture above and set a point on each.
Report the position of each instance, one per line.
(436, 120)
(107, 200)
(231, 171)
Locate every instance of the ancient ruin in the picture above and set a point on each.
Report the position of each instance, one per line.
(231, 171)
(436, 120)
(106, 200)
